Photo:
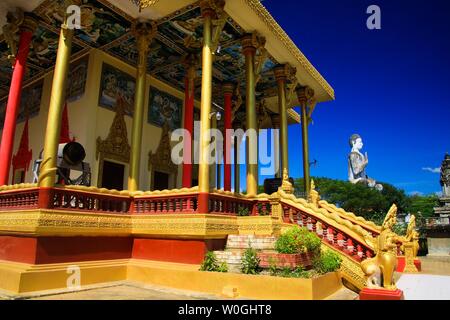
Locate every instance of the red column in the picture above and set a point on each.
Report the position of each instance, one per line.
(228, 89)
(13, 104)
(188, 122)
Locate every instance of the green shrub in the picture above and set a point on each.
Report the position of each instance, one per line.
(299, 272)
(223, 267)
(312, 242)
(327, 261)
(298, 240)
(272, 267)
(243, 211)
(286, 272)
(250, 262)
(210, 263)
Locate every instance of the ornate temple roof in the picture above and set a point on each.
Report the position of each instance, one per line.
(109, 29)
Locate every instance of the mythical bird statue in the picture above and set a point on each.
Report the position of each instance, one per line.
(379, 270)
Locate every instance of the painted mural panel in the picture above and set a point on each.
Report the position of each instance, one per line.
(77, 79)
(5, 67)
(116, 83)
(30, 102)
(164, 108)
(44, 48)
(100, 24)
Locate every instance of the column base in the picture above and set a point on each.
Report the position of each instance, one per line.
(203, 202)
(381, 294)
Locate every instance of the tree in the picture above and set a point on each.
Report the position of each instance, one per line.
(358, 198)
(423, 206)
(368, 202)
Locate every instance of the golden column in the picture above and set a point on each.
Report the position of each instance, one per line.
(144, 31)
(276, 143)
(208, 9)
(249, 45)
(47, 175)
(281, 77)
(304, 95)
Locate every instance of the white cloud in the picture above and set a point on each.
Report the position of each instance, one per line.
(432, 170)
(416, 193)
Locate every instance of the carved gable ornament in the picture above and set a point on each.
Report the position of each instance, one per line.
(161, 160)
(116, 146)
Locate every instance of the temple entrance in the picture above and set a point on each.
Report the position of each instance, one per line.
(160, 181)
(112, 175)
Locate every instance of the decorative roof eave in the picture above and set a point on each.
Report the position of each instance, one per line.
(292, 114)
(279, 44)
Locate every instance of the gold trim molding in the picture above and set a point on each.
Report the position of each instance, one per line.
(262, 12)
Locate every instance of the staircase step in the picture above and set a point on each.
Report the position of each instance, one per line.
(251, 241)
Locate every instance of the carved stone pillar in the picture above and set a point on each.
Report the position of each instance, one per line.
(228, 89)
(249, 46)
(276, 143)
(305, 95)
(144, 32)
(190, 63)
(47, 174)
(209, 10)
(26, 30)
(281, 77)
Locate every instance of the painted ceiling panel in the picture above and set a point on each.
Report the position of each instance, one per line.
(106, 27)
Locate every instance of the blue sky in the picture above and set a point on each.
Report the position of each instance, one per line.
(392, 86)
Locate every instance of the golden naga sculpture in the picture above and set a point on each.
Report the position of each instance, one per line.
(412, 236)
(410, 245)
(379, 270)
(286, 185)
(314, 196)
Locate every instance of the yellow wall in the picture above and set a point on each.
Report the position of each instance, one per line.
(87, 120)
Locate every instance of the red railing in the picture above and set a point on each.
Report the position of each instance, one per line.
(90, 201)
(220, 204)
(337, 238)
(19, 199)
(69, 199)
(186, 203)
(371, 230)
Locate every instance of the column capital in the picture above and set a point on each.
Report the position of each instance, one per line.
(29, 24)
(284, 72)
(304, 94)
(250, 43)
(228, 88)
(190, 62)
(212, 8)
(144, 31)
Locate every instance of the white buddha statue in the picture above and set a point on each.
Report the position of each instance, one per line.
(357, 163)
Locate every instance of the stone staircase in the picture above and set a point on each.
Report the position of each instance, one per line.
(237, 244)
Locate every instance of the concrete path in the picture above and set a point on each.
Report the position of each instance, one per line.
(433, 283)
(425, 287)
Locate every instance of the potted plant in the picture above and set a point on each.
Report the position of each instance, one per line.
(297, 247)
